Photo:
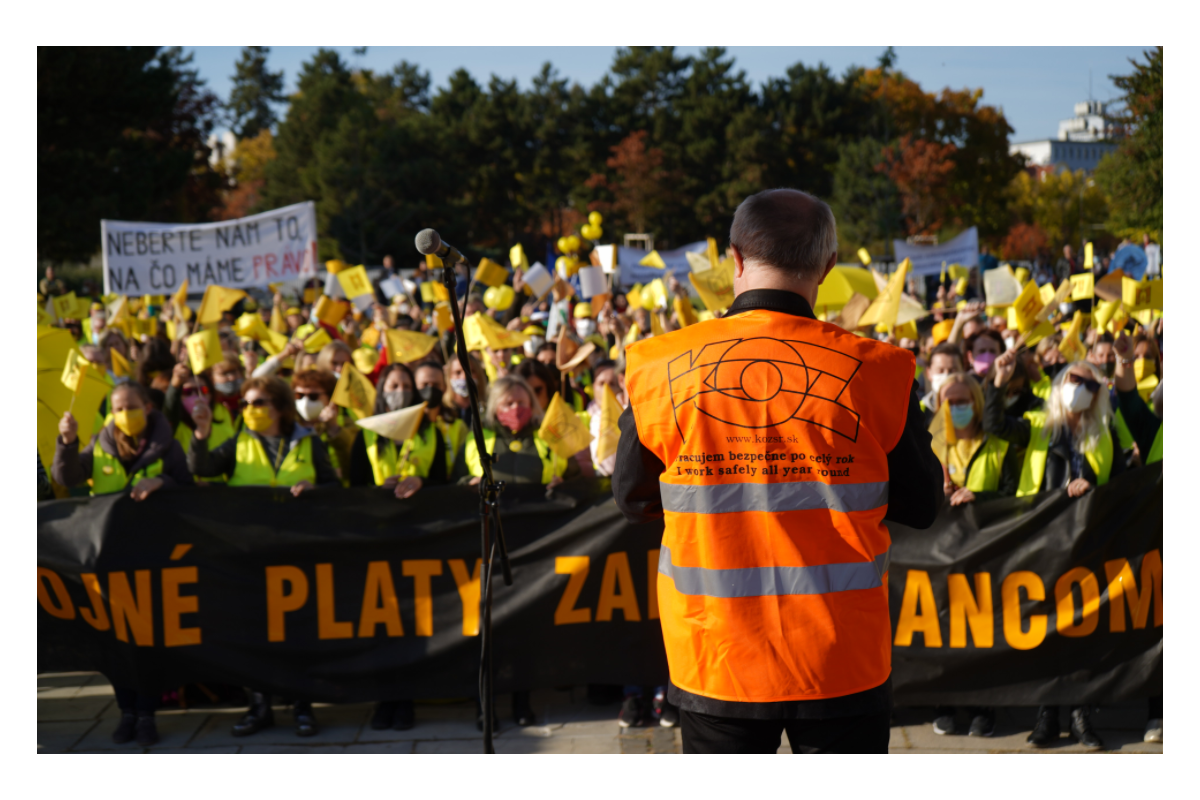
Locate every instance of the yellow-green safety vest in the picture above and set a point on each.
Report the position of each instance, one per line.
(1156, 448)
(1124, 435)
(551, 464)
(983, 473)
(1034, 468)
(254, 468)
(1041, 387)
(108, 476)
(383, 455)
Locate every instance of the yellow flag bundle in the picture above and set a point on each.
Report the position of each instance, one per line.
(563, 430)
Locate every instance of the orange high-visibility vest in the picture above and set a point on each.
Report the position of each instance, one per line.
(774, 430)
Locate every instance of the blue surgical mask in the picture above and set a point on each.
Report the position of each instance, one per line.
(961, 416)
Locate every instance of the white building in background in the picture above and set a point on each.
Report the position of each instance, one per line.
(1082, 141)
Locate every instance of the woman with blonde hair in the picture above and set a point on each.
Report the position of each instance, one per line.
(974, 462)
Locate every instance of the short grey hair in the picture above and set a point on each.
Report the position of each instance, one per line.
(501, 387)
(786, 229)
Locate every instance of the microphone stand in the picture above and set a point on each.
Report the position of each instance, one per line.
(491, 531)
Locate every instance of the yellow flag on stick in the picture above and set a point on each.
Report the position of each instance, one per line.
(1089, 258)
(355, 392)
(684, 311)
(118, 310)
(204, 350)
(633, 298)
(330, 311)
(120, 365)
(64, 306)
(273, 342)
(517, 258)
(440, 293)
(490, 273)
(481, 331)
(355, 281)
(432, 261)
(318, 339)
(407, 346)
(443, 317)
(75, 371)
(1103, 313)
(656, 326)
(653, 259)
(1071, 347)
(654, 295)
(1083, 286)
(427, 295)
(610, 433)
(217, 300)
(250, 326)
(1056, 299)
(886, 306)
(864, 256)
(562, 430)
(398, 425)
(278, 323)
(179, 301)
(715, 286)
(1027, 306)
(714, 258)
(1135, 295)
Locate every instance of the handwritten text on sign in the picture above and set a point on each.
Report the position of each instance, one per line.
(154, 258)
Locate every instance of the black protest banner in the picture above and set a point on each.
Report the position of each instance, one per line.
(351, 595)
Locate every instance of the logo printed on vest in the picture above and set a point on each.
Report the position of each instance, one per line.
(763, 382)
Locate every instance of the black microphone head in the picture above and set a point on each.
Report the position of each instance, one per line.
(428, 242)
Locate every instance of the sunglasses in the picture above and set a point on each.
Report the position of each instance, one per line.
(308, 396)
(258, 402)
(1089, 384)
(188, 391)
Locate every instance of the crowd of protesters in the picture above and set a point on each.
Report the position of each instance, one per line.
(1026, 416)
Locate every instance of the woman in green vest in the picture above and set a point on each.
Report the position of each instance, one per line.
(1144, 420)
(313, 389)
(218, 387)
(977, 463)
(432, 452)
(376, 460)
(135, 452)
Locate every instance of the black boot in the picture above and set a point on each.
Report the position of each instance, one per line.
(522, 709)
(258, 717)
(146, 732)
(124, 732)
(1046, 730)
(306, 720)
(404, 718)
(384, 714)
(1081, 729)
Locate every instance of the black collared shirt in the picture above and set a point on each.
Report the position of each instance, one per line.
(914, 498)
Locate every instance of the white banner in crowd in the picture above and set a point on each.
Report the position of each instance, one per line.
(927, 260)
(155, 257)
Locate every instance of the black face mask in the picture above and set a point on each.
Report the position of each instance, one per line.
(1052, 370)
(430, 394)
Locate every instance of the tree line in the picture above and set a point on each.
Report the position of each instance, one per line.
(663, 143)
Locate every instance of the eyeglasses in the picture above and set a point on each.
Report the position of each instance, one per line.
(258, 402)
(1089, 384)
(308, 396)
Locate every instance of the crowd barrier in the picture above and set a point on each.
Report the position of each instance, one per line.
(350, 595)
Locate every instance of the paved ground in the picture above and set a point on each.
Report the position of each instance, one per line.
(77, 714)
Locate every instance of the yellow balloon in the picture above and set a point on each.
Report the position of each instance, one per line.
(491, 297)
(561, 264)
(574, 243)
(564, 244)
(504, 296)
(595, 218)
(587, 231)
(598, 231)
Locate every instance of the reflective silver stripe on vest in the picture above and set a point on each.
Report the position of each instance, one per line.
(723, 498)
(774, 581)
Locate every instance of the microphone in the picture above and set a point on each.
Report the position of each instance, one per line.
(430, 244)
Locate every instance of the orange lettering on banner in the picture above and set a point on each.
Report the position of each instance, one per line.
(577, 568)
(1010, 599)
(96, 616)
(379, 605)
(1121, 587)
(652, 584)
(617, 575)
(61, 606)
(327, 625)
(136, 610)
(974, 610)
(176, 605)
(422, 571)
(918, 612)
(280, 603)
(1064, 600)
(468, 593)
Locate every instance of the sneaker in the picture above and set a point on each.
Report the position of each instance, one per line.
(146, 732)
(1046, 731)
(669, 717)
(1153, 731)
(983, 723)
(943, 725)
(632, 714)
(1081, 730)
(124, 732)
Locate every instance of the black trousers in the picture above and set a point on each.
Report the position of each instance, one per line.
(703, 733)
(132, 700)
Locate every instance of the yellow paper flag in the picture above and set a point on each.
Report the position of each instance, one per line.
(1083, 286)
(443, 317)
(714, 258)
(355, 282)
(398, 425)
(1120, 319)
(633, 298)
(490, 273)
(886, 306)
(179, 301)
(715, 287)
(120, 365)
(273, 342)
(64, 306)
(427, 295)
(432, 261)
(406, 346)
(330, 311)
(1135, 295)
(204, 350)
(516, 257)
(864, 256)
(653, 259)
(481, 331)
(1089, 259)
(562, 430)
(217, 300)
(118, 310)
(1022, 275)
(654, 295)
(75, 371)
(440, 293)
(318, 339)
(1027, 306)
(355, 392)
(278, 323)
(610, 433)
(250, 326)
(1103, 313)
(1071, 347)
(684, 312)
(656, 327)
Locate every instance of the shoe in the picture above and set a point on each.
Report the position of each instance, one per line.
(306, 720)
(1081, 730)
(259, 719)
(1046, 730)
(1153, 731)
(124, 732)
(146, 732)
(522, 710)
(632, 713)
(383, 716)
(983, 726)
(943, 724)
(669, 716)
(404, 718)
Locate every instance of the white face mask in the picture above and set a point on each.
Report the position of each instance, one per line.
(309, 409)
(585, 327)
(1010, 342)
(1076, 398)
(936, 382)
(532, 345)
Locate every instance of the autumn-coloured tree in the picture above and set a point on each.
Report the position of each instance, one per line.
(637, 181)
(921, 171)
(248, 170)
(1024, 241)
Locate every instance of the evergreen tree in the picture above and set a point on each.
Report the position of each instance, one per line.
(255, 90)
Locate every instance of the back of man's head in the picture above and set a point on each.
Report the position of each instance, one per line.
(787, 230)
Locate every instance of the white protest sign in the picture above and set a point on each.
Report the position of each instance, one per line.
(539, 279)
(607, 253)
(156, 257)
(391, 287)
(592, 282)
(927, 260)
(1000, 286)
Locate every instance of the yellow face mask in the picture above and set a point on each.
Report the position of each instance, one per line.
(1143, 367)
(257, 419)
(131, 421)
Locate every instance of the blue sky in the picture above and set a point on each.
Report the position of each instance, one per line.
(1036, 86)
